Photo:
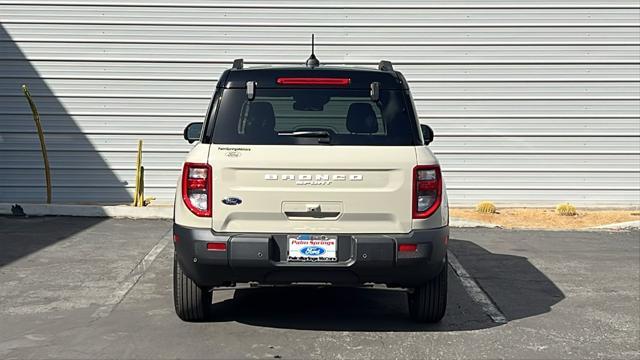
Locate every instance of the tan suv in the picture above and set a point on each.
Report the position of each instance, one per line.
(311, 175)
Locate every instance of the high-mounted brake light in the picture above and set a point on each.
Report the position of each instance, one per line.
(196, 188)
(313, 81)
(427, 190)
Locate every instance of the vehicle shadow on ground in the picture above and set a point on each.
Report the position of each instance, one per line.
(517, 287)
(514, 284)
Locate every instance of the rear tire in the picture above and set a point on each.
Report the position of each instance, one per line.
(191, 301)
(428, 302)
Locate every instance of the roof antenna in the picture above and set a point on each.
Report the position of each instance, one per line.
(313, 61)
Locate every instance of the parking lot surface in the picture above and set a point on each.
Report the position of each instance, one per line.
(101, 288)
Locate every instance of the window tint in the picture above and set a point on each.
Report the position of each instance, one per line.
(341, 117)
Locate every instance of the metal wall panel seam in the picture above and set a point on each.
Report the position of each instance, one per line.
(329, 43)
(540, 171)
(329, 25)
(349, 63)
(340, 5)
(437, 152)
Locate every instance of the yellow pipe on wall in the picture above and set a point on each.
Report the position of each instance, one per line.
(43, 147)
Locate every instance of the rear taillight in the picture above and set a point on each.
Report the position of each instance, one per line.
(196, 188)
(427, 190)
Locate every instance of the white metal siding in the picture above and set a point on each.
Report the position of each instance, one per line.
(532, 102)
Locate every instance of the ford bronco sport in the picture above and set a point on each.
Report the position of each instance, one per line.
(311, 175)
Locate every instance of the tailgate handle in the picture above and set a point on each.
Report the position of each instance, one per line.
(315, 210)
(311, 214)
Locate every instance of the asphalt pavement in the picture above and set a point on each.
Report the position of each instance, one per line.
(101, 288)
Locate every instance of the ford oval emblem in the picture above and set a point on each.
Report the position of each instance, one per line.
(231, 201)
(312, 251)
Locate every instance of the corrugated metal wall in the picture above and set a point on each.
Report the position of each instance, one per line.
(533, 102)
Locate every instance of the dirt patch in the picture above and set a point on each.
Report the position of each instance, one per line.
(547, 218)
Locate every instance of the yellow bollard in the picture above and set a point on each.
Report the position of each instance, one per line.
(138, 198)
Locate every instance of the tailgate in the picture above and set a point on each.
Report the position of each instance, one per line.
(312, 189)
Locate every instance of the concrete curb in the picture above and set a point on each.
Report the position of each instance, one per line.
(628, 225)
(462, 223)
(150, 212)
(166, 212)
(115, 211)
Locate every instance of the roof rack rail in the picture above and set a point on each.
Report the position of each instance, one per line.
(385, 65)
(238, 64)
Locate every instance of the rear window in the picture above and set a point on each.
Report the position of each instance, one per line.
(312, 116)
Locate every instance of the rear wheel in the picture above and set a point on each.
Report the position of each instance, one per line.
(428, 302)
(191, 301)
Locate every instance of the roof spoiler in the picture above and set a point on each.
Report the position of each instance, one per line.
(385, 65)
(238, 64)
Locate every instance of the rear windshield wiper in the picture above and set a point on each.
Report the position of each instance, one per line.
(324, 135)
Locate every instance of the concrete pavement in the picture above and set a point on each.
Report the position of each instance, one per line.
(88, 288)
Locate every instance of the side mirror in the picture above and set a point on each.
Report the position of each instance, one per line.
(192, 132)
(427, 133)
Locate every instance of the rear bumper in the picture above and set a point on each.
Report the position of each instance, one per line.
(362, 258)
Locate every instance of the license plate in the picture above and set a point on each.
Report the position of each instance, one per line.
(312, 248)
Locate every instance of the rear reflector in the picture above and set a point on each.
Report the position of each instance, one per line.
(314, 81)
(217, 246)
(407, 247)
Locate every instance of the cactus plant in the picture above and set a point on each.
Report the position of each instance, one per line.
(486, 207)
(566, 209)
